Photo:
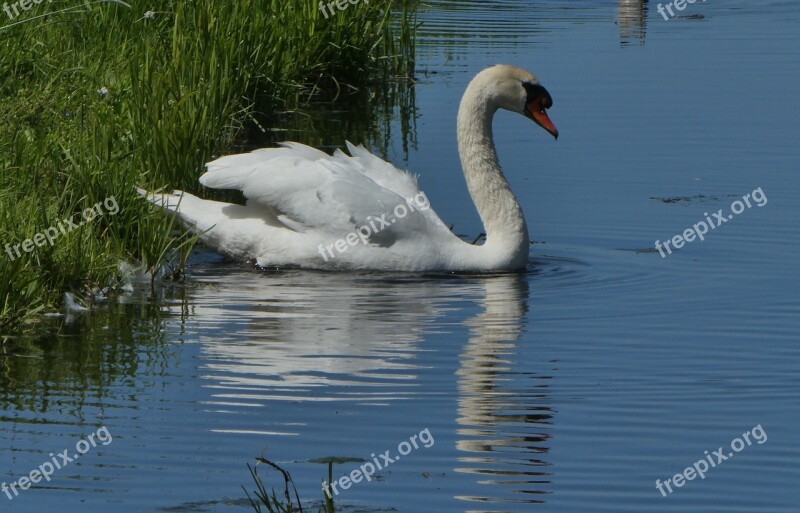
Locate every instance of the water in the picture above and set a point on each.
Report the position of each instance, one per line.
(571, 387)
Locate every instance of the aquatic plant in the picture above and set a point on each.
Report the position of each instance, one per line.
(287, 504)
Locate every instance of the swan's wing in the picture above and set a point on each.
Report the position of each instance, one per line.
(381, 172)
(309, 189)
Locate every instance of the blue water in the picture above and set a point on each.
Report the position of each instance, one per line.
(571, 387)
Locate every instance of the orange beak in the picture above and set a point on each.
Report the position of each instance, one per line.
(536, 111)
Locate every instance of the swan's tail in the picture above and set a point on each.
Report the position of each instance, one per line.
(230, 229)
(169, 203)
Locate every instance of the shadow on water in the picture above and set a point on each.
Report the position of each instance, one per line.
(376, 116)
(85, 356)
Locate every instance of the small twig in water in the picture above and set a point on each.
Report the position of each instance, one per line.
(479, 237)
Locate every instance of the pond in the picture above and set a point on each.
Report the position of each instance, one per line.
(587, 383)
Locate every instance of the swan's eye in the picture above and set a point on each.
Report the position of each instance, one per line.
(537, 95)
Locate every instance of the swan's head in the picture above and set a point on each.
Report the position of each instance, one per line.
(519, 91)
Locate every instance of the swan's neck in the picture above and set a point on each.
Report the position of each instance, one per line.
(504, 223)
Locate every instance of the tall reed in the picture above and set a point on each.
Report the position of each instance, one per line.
(97, 98)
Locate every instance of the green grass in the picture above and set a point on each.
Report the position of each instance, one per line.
(181, 85)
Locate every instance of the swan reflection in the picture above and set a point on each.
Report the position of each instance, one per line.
(503, 411)
(294, 331)
(307, 337)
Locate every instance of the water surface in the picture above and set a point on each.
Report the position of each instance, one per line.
(571, 387)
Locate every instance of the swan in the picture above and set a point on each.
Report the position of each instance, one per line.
(308, 209)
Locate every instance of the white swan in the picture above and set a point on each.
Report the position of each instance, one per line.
(308, 209)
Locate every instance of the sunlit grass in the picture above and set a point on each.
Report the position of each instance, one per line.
(97, 98)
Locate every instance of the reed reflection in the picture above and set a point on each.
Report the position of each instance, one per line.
(632, 21)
